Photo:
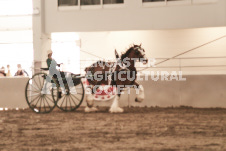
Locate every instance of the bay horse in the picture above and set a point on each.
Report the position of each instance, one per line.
(122, 74)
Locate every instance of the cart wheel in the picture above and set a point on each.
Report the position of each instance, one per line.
(70, 99)
(38, 93)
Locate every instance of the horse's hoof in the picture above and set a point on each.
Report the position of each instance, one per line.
(90, 109)
(138, 99)
(116, 110)
(90, 102)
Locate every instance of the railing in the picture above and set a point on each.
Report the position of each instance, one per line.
(213, 64)
(206, 65)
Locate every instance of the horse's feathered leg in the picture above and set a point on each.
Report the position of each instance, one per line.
(139, 92)
(89, 100)
(115, 106)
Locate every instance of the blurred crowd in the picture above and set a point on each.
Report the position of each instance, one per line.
(7, 72)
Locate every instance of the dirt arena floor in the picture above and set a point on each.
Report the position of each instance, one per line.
(138, 129)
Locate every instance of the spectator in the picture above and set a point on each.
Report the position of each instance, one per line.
(20, 71)
(8, 74)
(2, 72)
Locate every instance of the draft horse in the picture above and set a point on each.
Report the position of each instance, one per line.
(122, 74)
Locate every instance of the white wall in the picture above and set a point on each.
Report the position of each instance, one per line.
(162, 44)
(133, 16)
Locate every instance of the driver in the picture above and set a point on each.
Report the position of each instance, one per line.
(52, 64)
(50, 61)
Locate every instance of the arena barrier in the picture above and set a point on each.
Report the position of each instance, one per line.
(204, 91)
(12, 92)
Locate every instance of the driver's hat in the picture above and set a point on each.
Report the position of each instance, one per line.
(49, 51)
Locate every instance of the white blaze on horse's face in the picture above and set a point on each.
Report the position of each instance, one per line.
(142, 56)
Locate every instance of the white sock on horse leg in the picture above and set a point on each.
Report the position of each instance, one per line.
(115, 107)
(92, 109)
(115, 102)
(89, 97)
(140, 95)
(90, 104)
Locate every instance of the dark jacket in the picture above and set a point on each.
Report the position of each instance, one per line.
(3, 73)
(21, 73)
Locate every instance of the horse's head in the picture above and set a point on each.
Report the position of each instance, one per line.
(136, 52)
(139, 53)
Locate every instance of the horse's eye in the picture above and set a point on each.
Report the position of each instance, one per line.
(137, 52)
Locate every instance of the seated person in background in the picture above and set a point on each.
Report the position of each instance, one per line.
(20, 71)
(8, 74)
(2, 72)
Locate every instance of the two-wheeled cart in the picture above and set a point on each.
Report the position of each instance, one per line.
(43, 92)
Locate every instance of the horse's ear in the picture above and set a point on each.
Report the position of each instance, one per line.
(140, 44)
(116, 54)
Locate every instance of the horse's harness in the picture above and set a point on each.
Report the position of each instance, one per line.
(112, 69)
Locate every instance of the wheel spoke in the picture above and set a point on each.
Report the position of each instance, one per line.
(66, 102)
(73, 101)
(44, 104)
(35, 87)
(37, 84)
(33, 91)
(49, 99)
(37, 102)
(47, 103)
(34, 94)
(40, 107)
(34, 99)
(75, 97)
(40, 82)
(70, 102)
(62, 101)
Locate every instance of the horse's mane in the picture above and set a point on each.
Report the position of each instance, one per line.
(125, 54)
